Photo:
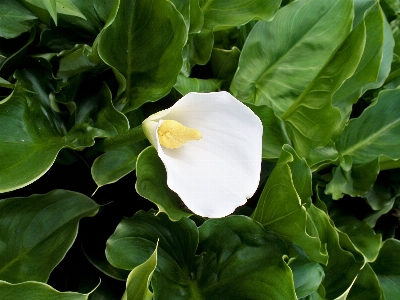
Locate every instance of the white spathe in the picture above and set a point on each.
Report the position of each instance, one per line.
(219, 172)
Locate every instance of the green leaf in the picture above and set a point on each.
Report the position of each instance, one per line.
(361, 235)
(320, 157)
(115, 164)
(65, 7)
(224, 63)
(354, 180)
(137, 285)
(226, 13)
(307, 275)
(143, 41)
(35, 132)
(279, 52)
(185, 85)
(311, 120)
(274, 132)
(374, 65)
(14, 19)
(366, 286)
(152, 184)
(38, 231)
(237, 256)
(35, 291)
(387, 268)
(282, 205)
(340, 261)
(375, 132)
(77, 60)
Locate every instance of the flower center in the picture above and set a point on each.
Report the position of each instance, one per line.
(173, 134)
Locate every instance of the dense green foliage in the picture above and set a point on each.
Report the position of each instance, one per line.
(78, 77)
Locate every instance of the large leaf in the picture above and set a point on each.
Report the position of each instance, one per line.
(185, 85)
(37, 231)
(282, 205)
(375, 132)
(14, 19)
(152, 184)
(387, 268)
(143, 41)
(366, 286)
(32, 290)
(374, 65)
(311, 120)
(237, 256)
(280, 58)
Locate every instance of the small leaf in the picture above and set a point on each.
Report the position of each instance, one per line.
(37, 231)
(152, 184)
(32, 290)
(115, 164)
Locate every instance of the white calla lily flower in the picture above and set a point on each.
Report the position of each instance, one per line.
(210, 144)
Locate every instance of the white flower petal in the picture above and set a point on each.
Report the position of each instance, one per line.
(221, 171)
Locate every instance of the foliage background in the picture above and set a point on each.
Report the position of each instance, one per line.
(77, 78)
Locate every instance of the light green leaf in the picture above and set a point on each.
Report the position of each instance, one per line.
(282, 205)
(274, 132)
(32, 290)
(226, 13)
(280, 58)
(14, 19)
(152, 184)
(6, 84)
(311, 120)
(185, 85)
(115, 164)
(37, 231)
(387, 268)
(137, 285)
(374, 65)
(319, 157)
(143, 41)
(237, 257)
(375, 132)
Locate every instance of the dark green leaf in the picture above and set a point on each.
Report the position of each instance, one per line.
(35, 291)
(152, 184)
(143, 41)
(387, 268)
(37, 231)
(14, 19)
